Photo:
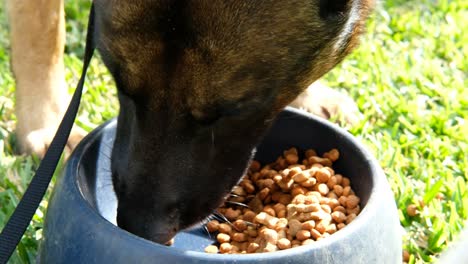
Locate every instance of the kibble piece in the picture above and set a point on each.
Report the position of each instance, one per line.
(323, 175)
(303, 235)
(225, 248)
(285, 199)
(345, 182)
(340, 226)
(339, 208)
(350, 218)
(333, 155)
(301, 176)
(269, 210)
(224, 228)
(315, 234)
(284, 243)
(331, 229)
(308, 225)
(412, 210)
(240, 225)
(406, 256)
(270, 235)
(310, 152)
(326, 208)
(322, 161)
(211, 249)
(322, 189)
(354, 210)
(352, 201)
(346, 191)
(266, 219)
(212, 226)
(332, 182)
(239, 237)
(232, 214)
(338, 190)
(309, 182)
(338, 217)
(252, 247)
(307, 242)
(339, 179)
(223, 238)
(249, 216)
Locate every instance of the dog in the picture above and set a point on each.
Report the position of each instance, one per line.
(199, 83)
(37, 34)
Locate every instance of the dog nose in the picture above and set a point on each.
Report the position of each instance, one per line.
(148, 228)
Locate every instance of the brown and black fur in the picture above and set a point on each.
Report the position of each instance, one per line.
(199, 83)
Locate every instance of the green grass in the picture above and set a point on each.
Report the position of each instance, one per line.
(408, 78)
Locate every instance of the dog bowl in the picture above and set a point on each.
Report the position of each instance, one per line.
(80, 221)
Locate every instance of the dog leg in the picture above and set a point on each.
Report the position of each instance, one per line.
(328, 103)
(37, 41)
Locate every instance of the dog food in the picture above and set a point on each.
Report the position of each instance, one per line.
(284, 205)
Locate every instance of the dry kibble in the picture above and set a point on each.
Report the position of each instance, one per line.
(269, 210)
(346, 191)
(240, 225)
(291, 158)
(266, 219)
(224, 228)
(338, 190)
(323, 175)
(212, 226)
(223, 238)
(308, 225)
(309, 153)
(315, 234)
(412, 210)
(211, 249)
(352, 201)
(285, 199)
(288, 204)
(331, 229)
(239, 237)
(350, 218)
(249, 216)
(309, 183)
(225, 248)
(255, 166)
(270, 235)
(284, 243)
(232, 214)
(333, 155)
(345, 182)
(340, 226)
(252, 247)
(322, 189)
(339, 179)
(354, 210)
(406, 256)
(303, 235)
(338, 217)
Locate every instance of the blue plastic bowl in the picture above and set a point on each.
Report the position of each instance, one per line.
(79, 223)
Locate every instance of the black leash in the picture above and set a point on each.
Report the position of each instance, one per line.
(21, 217)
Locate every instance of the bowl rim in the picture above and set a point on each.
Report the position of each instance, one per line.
(377, 175)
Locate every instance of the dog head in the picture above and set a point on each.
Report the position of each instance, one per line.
(199, 83)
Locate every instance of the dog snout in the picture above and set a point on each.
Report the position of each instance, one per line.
(159, 229)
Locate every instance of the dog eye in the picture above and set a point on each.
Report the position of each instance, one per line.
(205, 118)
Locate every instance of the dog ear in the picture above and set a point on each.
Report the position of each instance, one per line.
(332, 8)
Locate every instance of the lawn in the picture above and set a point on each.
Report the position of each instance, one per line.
(408, 78)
